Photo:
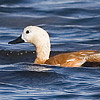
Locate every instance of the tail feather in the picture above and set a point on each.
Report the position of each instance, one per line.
(93, 57)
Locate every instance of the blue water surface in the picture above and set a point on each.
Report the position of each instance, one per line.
(73, 25)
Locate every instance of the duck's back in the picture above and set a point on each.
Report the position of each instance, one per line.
(73, 59)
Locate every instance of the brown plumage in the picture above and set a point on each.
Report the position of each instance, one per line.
(74, 59)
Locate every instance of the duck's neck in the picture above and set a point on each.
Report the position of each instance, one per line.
(43, 52)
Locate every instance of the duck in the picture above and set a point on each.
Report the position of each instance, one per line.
(41, 40)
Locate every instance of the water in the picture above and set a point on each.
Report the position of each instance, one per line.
(73, 25)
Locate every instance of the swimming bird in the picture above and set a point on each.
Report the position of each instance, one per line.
(40, 39)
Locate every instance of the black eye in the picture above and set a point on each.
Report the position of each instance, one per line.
(27, 31)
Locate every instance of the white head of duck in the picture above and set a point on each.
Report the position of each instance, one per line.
(39, 38)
